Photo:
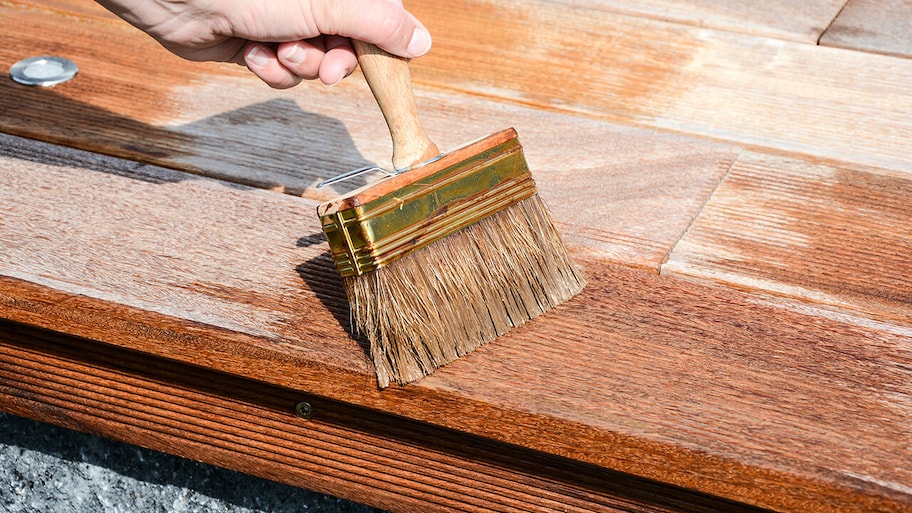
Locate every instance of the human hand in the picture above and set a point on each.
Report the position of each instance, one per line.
(280, 41)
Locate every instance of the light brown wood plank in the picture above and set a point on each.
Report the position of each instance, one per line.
(751, 90)
(745, 89)
(695, 386)
(819, 232)
(616, 192)
(193, 117)
(782, 19)
(873, 26)
(115, 227)
(649, 185)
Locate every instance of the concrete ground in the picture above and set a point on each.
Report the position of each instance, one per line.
(49, 469)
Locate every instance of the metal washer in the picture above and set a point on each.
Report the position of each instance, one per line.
(43, 71)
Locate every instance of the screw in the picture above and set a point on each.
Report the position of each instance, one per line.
(43, 71)
(303, 410)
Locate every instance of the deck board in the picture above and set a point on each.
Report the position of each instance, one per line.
(873, 26)
(795, 21)
(821, 232)
(343, 450)
(750, 90)
(289, 141)
(686, 383)
(740, 88)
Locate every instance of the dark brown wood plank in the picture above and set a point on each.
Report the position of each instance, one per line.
(873, 26)
(696, 386)
(363, 455)
(824, 233)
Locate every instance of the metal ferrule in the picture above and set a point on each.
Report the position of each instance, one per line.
(466, 189)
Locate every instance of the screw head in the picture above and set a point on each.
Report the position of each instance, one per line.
(303, 410)
(43, 71)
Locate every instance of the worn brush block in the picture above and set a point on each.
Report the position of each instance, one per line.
(441, 259)
(379, 223)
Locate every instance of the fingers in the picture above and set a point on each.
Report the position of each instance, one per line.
(328, 58)
(262, 60)
(317, 46)
(302, 58)
(339, 61)
(385, 23)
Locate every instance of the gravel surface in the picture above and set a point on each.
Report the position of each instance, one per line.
(49, 469)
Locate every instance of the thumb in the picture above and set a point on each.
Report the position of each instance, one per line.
(384, 23)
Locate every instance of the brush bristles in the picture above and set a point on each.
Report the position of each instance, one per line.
(438, 303)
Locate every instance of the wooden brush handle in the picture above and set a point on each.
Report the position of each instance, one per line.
(389, 79)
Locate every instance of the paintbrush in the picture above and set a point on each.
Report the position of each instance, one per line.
(448, 252)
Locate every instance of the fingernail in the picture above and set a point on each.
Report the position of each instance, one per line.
(344, 74)
(420, 43)
(256, 56)
(296, 54)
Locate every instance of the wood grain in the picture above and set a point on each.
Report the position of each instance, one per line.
(651, 184)
(821, 232)
(767, 364)
(741, 88)
(747, 89)
(873, 26)
(362, 455)
(732, 394)
(781, 19)
(215, 121)
(69, 8)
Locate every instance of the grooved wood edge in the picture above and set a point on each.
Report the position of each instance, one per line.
(366, 456)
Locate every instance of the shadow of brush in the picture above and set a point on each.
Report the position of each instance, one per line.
(320, 275)
(239, 146)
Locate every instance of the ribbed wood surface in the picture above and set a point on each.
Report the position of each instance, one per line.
(367, 456)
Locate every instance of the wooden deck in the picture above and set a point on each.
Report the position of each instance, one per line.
(734, 177)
